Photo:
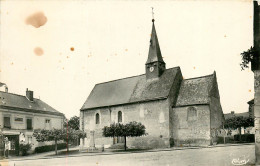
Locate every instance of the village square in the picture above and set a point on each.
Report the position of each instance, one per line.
(154, 116)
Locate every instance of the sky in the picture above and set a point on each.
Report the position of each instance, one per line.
(61, 49)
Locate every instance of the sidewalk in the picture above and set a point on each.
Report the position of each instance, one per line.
(36, 155)
(50, 155)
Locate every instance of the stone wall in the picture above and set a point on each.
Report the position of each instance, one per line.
(216, 117)
(153, 115)
(191, 130)
(172, 101)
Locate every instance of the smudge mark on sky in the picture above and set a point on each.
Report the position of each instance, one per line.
(38, 51)
(37, 19)
(71, 48)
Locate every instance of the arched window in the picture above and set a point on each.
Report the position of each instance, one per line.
(191, 114)
(97, 118)
(119, 116)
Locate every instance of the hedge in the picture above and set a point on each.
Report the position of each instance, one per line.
(48, 148)
(245, 137)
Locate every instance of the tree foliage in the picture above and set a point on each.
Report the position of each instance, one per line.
(43, 135)
(132, 129)
(247, 57)
(73, 123)
(238, 122)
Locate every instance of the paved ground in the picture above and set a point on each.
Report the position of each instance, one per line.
(217, 156)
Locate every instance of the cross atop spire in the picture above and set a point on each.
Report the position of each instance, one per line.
(152, 15)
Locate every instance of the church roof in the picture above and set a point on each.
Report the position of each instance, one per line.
(131, 90)
(18, 102)
(154, 54)
(195, 90)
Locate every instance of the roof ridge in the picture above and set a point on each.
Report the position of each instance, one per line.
(12, 94)
(129, 77)
(119, 79)
(19, 95)
(199, 77)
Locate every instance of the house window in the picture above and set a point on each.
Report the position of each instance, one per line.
(29, 124)
(191, 114)
(97, 118)
(47, 124)
(119, 116)
(7, 123)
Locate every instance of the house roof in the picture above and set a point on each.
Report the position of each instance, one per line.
(230, 115)
(195, 90)
(131, 90)
(19, 102)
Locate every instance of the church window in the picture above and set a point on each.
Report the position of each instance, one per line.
(97, 118)
(119, 116)
(191, 114)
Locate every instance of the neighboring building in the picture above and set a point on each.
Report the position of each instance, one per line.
(175, 111)
(20, 115)
(251, 108)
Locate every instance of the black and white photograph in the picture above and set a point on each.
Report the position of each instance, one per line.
(126, 82)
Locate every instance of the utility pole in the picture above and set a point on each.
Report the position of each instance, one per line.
(255, 66)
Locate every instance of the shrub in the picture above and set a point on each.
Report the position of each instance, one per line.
(24, 148)
(245, 138)
(48, 148)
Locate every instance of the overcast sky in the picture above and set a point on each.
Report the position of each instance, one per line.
(81, 43)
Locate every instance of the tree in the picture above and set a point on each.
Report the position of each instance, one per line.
(56, 135)
(43, 135)
(238, 122)
(72, 126)
(74, 135)
(247, 57)
(132, 129)
(73, 123)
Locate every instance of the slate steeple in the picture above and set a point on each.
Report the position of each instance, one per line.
(155, 65)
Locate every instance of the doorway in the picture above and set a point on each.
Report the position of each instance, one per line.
(14, 144)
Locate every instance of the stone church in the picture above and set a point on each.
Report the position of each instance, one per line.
(174, 110)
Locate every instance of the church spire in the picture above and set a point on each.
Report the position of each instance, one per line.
(154, 54)
(154, 65)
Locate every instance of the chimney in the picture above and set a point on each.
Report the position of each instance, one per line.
(29, 94)
(232, 112)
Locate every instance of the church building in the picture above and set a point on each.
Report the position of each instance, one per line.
(174, 110)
